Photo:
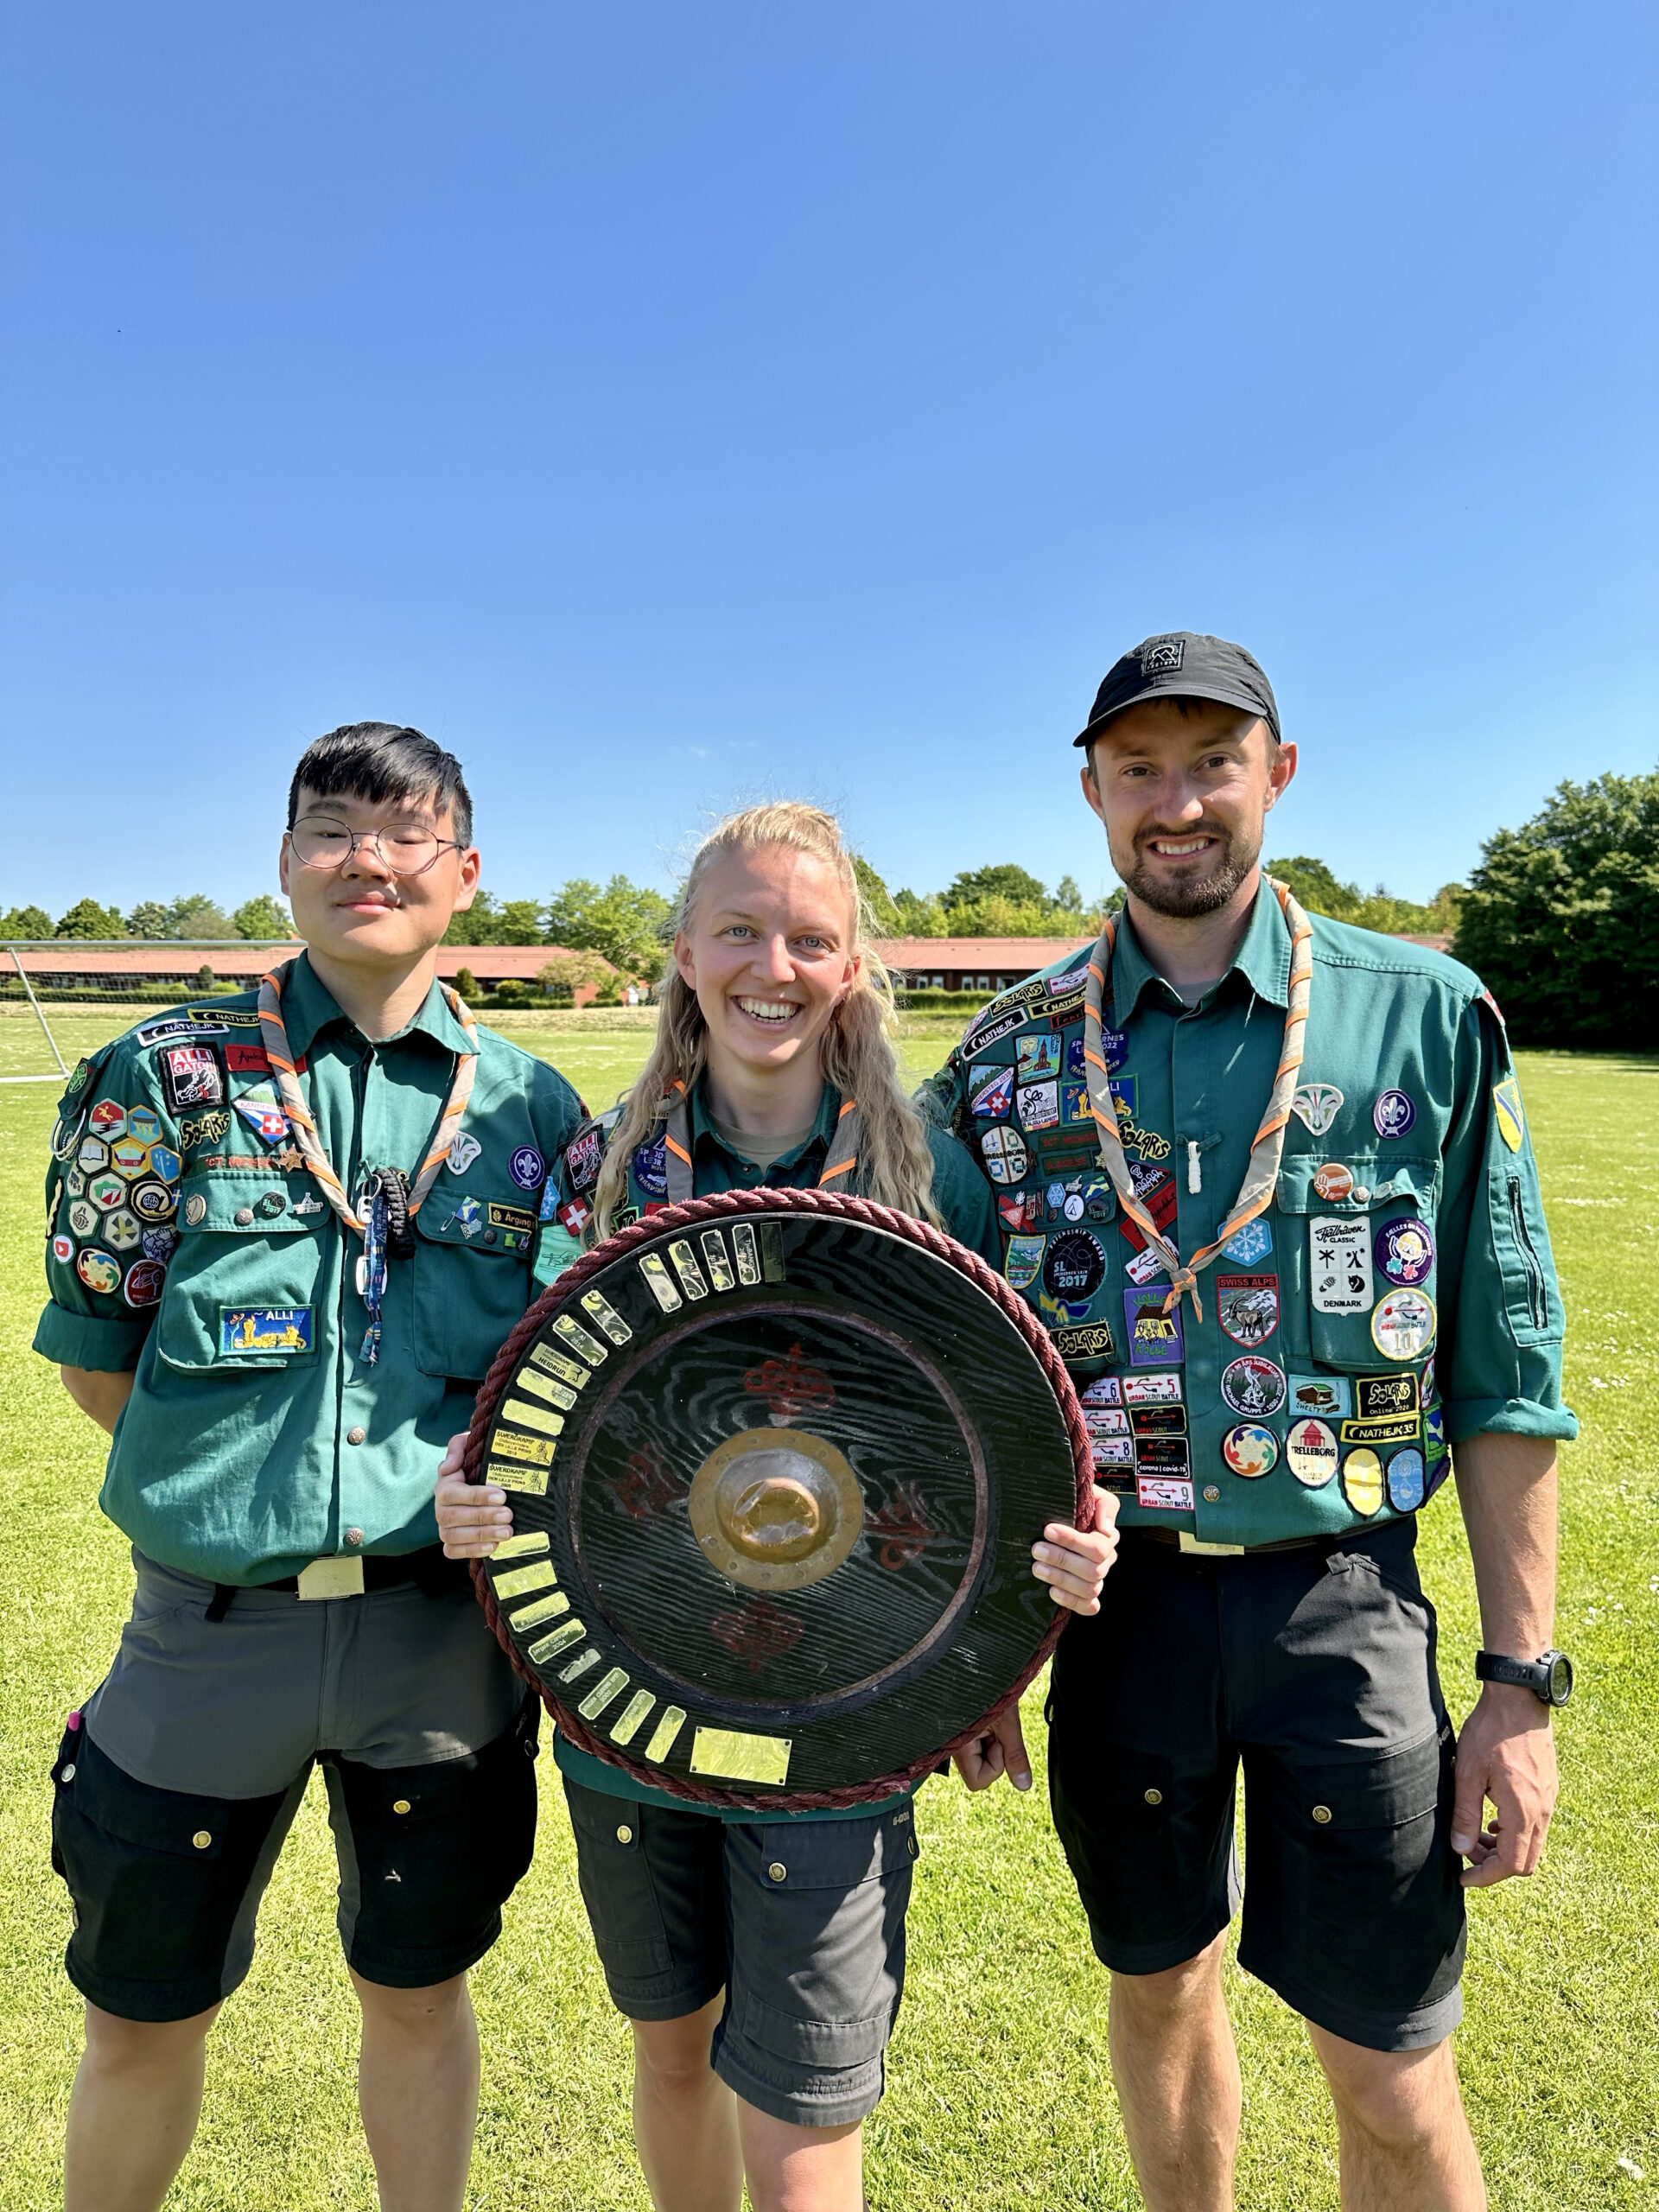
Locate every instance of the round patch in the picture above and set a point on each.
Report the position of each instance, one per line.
(527, 1168)
(152, 1202)
(650, 1168)
(1406, 1481)
(1003, 1150)
(1333, 1181)
(63, 1249)
(1393, 1114)
(83, 1217)
(98, 1271)
(1402, 1325)
(1113, 1048)
(194, 1206)
(272, 1204)
(1311, 1453)
(161, 1243)
(1073, 1208)
(1253, 1386)
(1362, 1480)
(1074, 1267)
(144, 1283)
(1405, 1250)
(1250, 1450)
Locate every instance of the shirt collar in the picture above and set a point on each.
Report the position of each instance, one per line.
(308, 1006)
(1262, 959)
(703, 1130)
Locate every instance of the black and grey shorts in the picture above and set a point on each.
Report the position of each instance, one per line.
(1315, 1670)
(176, 1790)
(802, 1923)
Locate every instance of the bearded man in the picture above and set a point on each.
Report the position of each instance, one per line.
(1267, 1179)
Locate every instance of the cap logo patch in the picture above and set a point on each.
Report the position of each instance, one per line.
(1162, 655)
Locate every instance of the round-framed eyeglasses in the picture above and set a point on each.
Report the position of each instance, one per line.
(405, 848)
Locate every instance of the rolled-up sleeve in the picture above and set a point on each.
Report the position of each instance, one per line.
(1501, 1323)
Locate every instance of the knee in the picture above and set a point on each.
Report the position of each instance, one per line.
(116, 2045)
(1394, 2097)
(671, 2056)
(421, 2015)
(1152, 1999)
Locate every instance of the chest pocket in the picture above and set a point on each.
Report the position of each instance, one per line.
(243, 1293)
(468, 1295)
(1330, 1249)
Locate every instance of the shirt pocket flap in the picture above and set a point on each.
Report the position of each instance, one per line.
(218, 1200)
(1377, 1180)
(493, 1226)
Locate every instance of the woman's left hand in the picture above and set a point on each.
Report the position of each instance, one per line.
(1074, 1562)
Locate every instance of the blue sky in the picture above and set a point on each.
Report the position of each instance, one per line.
(666, 406)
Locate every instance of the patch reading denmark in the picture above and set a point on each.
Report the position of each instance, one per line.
(1340, 1264)
(263, 1329)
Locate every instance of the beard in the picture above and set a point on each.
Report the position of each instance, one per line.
(1206, 884)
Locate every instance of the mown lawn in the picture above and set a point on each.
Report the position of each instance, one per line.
(999, 2095)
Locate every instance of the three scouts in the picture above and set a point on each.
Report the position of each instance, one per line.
(1266, 1177)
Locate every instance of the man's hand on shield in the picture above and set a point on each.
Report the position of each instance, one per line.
(472, 1518)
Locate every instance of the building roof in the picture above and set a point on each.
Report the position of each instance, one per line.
(160, 958)
(990, 954)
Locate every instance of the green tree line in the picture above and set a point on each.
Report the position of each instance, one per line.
(194, 916)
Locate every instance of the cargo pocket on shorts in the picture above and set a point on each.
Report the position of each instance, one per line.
(1381, 1904)
(616, 1883)
(1113, 1812)
(818, 1932)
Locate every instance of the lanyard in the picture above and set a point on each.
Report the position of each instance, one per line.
(1267, 1148)
(840, 1161)
(305, 1130)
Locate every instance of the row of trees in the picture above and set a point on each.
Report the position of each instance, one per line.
(1317, 887)
(194, 916)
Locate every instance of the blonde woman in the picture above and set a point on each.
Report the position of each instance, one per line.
(761, 2010)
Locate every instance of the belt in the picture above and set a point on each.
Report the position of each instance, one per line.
(427, 1568)
(1182, 1541)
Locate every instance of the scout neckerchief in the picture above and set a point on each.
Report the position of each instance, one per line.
(841, 1159)
(372, 1225)
(1269, 1144)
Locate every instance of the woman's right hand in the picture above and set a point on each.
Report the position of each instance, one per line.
(472, 1518)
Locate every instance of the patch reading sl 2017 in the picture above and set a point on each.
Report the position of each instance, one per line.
(787, 1468)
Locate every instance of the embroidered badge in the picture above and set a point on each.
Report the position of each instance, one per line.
(650, 1168)
(463, 1150)
(1155, 1336)
(1393, 1114)
(1402, 1327)
(1073, 1269)
(1250, 1450)
(1253, 1243)
(1022, 1259)
(285, 1329)
(1311, 1453)
(98, 1272)
(1037, 1056)
(1005, 1158)
(1317, 1105)
(991, 1095)
(144, 1280)
(108, 1118)
(1162, 655)
(527, 1168)
(1247, 1307)
(1253, 1386)
(1340, 1264)
(586, 1155)
(144, 1126)
(1506, 1104)
(1404, 1250)
(1362, 1480)
(191, 1076)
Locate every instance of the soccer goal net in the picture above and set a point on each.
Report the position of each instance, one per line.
(61, 997)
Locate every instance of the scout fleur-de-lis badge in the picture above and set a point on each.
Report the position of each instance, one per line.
(1316, 1104)
(1511, 1122)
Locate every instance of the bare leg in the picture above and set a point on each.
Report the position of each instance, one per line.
(417, 2087)
(1177, 2077)
(133, 2110)
(790, 2169)
(685, 2116)
(1405, 2144)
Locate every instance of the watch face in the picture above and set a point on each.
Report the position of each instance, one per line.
(1561, 1678)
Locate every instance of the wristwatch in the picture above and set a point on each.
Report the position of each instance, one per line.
(1548, 1678)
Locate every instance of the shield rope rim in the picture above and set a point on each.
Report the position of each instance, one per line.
(722, 1206)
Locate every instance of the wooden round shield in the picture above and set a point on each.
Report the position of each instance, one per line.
(776, 1460)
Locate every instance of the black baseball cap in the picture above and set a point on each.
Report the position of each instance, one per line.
(1182, 664)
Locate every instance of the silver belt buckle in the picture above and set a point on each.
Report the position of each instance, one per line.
(332, 1577)
(1191, 1543)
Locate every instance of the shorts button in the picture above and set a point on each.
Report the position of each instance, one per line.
(356, 1435)
(1212, 1494)
(245, 1216)
(400, 1804)
(1155, 1797)
(354, 1535)
(625, 1833)
(68, 1774)
(777, 1871)
(1322, 1815)
(201, 1839)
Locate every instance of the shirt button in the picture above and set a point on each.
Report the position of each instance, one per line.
(777, 1871)
(201, 1839)
(1212, 1494)
(354, 1536)
(400, 1804)
(1322, 1815)
(1155, 1797)
(625, 1833)
(245, 1216)
(357, 1435)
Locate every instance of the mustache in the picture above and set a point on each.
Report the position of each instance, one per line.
(1205, 828)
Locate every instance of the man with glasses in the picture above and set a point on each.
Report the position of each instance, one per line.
(290, 1231)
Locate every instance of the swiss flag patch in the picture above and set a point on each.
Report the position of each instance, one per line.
(574, 1215)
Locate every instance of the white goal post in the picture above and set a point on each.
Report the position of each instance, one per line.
(53, 976)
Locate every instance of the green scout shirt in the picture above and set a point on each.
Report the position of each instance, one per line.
(1408, 1194)
(192, 1247)
(964, 1206)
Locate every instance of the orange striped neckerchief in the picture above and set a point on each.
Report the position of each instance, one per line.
(1267, 1148)
(839, 1162)
(275, 1035)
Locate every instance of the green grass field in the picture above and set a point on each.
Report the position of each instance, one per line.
(999, 2093)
